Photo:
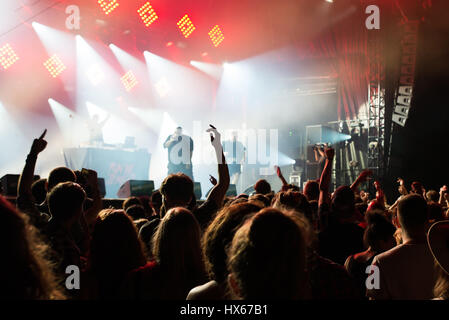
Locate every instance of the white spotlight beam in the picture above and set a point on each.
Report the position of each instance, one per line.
(73, 128)
(211, 69)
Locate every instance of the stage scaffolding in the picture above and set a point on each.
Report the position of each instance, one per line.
(376, 106)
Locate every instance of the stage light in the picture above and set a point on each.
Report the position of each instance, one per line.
(95, 74)
(204, 54)
(162, 87)
(108, 6)
(55, 66)
(216, 36)
(186, 26)
(169, 44)
(7, 56)
(147, 14)
(211, 69)
(129, 80)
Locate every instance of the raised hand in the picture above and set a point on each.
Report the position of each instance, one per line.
(365, 174)
(212, 180)
(278, 171)
(39, 144)
(215, 136)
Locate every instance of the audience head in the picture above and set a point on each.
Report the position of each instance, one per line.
(176, 246)
(58, 175)
(293, 200)
(131, 201)
(412, 214)
(267, 258)
(343, 202)
(263, 199)
(136, 212)
(262, 186)
(417, 188)
(219, 235)
(39, 191)
(115, 246)
(176, 190)
(432, 196)
(25, 273)
(156, 201)
(379, 234)
(312, 190)
(65, 201)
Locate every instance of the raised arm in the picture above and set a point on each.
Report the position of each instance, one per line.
(169, 141)
(443, 191)
(325, 180)
(360, 179)
(25, 201)
(402, 189)
(281, 176)
(380, 196)
(218, 192)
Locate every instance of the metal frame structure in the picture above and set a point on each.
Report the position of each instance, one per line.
(376, 105)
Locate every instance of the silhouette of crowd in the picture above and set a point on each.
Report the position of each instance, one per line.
(62, 242)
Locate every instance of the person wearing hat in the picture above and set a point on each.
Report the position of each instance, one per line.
(438, 240)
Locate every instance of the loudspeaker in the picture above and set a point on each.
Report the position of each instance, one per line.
(136, 188)
(312, 171)
(197, 190)
(9, 184)
(102, 187)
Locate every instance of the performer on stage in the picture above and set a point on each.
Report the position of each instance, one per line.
(95, 127)
(180, 150)
(320, 157)
(235, 156)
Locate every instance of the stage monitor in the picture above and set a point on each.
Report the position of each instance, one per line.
(136, 188)
(9, 183)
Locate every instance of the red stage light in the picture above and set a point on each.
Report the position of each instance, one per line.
(169, 44)
(186, 26)
(216, 36)
(147, 14)
(7, 56)
(108, 5)
(55, 66)
(129, 80)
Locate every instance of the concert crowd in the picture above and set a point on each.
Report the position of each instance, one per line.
(61, 241)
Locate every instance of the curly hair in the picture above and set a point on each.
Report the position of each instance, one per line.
(219, 235)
